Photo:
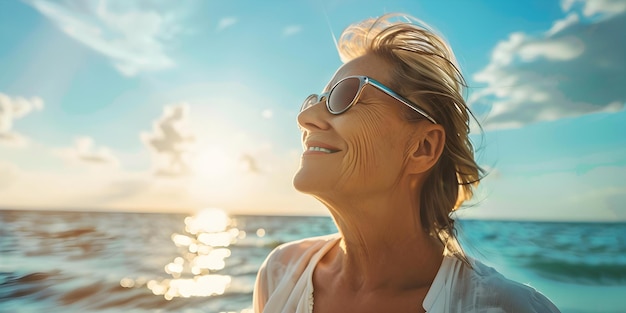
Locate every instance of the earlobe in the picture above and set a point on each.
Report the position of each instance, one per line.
(427, 149)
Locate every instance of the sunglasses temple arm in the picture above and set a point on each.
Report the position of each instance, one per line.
(401, 99)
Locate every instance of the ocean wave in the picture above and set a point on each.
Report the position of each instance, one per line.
(607, 274)
(59, 292)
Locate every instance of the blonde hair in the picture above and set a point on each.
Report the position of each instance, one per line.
(424, 71)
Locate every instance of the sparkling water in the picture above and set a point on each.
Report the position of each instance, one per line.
(207, 262)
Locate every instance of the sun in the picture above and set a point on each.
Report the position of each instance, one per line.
(215, 163)
(216, 175)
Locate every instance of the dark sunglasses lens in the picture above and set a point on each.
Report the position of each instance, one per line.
(343, 94)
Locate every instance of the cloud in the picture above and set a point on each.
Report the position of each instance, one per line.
(85, 151)
(12, 109)
(574, 68)
(132, 37)
(291, 30)
(557, 26)
(589, 8)
(170, 141)
(226, 22)
(249, 163)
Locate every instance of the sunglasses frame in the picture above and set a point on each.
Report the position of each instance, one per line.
(363, 81)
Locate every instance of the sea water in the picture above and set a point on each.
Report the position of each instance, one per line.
(207, 262)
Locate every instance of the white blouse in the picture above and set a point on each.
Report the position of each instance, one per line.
(284, 284)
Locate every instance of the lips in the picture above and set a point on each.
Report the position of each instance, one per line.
(316, 147)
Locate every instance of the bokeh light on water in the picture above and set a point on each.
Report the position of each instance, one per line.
(203, 253)
(113, 262)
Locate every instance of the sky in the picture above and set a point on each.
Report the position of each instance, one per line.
(174, 106)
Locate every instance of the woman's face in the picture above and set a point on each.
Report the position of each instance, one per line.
(369, 143)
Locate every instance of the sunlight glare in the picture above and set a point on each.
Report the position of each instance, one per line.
(199, 286)
(181, 240)
(207, 220)
(215, 163)
(223, 239)
(127, 282)
(242, 234)
(204, 251)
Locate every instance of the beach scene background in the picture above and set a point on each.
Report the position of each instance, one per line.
(122, 122)
(142, 262)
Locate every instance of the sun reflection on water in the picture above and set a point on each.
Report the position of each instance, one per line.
(204, 248)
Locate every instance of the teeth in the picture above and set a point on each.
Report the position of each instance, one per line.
(320, 149)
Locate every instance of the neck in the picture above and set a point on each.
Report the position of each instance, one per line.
(383, 244)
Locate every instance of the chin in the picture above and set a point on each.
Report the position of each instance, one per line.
(305, 182)
(300, 183)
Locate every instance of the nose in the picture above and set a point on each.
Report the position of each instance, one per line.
(316, 117)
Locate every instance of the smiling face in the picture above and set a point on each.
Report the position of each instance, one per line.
(361, 151)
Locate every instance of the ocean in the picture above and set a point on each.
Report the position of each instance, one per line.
(147, 262)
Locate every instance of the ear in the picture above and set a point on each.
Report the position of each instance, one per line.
(426, 148)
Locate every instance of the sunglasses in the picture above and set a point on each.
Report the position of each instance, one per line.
(346, 92)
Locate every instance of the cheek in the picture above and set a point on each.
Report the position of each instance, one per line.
(373, 154)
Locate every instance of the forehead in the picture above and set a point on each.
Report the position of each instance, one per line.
(366, 65)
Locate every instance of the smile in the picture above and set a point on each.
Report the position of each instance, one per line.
(320, 149)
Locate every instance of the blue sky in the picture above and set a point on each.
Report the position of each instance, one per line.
(181, 105)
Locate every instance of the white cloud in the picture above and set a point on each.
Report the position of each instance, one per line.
(562, 49)
(570, 70)
(226, 22)
(171, 141)
(593, 7)
(85, 151)
(559, 25)
(12, 109)
(291, 30)
(133, 37)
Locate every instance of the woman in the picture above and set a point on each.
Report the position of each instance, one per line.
(387, 152)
